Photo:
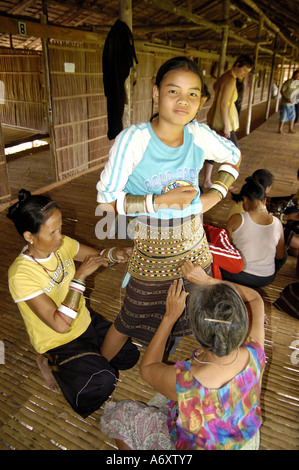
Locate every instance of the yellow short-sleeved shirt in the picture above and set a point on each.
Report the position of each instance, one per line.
(237, 208)
(28, 280)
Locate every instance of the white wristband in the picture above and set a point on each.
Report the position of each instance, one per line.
(229, 169)
(69, 312)
(219, 188)
(120, 204)
(110, 257)
(78, 287)
(149, 203)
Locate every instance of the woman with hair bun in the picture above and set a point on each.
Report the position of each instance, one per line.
(258, 236)
(211, 401)
(262, 176)
(48, 290)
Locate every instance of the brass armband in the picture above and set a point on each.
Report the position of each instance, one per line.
(214, 190)
(135, 204)
(223, 183)
(69, 306)
(140, 204)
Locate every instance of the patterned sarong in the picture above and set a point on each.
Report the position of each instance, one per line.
(159, 251)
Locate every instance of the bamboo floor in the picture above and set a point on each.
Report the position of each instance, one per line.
(34, 418)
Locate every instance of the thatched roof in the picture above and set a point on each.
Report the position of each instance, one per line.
(194, 24)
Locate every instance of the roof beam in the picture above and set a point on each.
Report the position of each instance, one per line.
(267, 21)
(202, 22)
(10, 25)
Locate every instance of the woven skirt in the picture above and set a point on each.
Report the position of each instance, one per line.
(156, 262)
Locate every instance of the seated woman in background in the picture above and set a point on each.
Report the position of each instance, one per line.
(286, 208)
(258, 236)
(48, 290)
(214, 397)
(262, 176)
(224, 254)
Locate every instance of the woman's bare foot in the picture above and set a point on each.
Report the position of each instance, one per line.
(43, 365)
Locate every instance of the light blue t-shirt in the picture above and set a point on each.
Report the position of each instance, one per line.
(140, 163)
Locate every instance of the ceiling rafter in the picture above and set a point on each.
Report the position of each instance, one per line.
(191, 24)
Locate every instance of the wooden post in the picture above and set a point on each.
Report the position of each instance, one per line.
(271, 79)
(253, 78)
(5, 193)
(280, 85)
(226, 7)
(45, 49)
(125, 14)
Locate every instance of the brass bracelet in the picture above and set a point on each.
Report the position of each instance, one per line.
(214, 190)
(107, 253)
(223, 183)
(69, 306)
(135, 204)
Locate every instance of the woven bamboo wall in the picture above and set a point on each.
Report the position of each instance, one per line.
(22, 91)
(78, 102)
(79, 108)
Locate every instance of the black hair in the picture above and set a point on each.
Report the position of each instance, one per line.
(174, 64)
(178, 63)
(243, 60)
(262, 177)
(205, 92)
(221, 301)
(31, 211)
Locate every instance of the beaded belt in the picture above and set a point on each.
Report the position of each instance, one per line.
(160, 250)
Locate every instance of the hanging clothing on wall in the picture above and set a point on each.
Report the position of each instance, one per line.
(118, 57)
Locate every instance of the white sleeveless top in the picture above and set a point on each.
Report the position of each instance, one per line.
(257, 244)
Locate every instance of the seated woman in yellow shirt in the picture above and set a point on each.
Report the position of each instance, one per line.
(48, 290)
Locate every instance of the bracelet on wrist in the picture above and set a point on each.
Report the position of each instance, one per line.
(77, 285)
(67, 310)
(62, 318)
(107, 253)
(140, 204)
(110, 257)
(150, 203)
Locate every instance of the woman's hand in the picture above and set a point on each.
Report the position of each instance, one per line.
(195, 273)
(176, 301)
(226, 132)
(90, 264)
(122, 254)
(177, 198)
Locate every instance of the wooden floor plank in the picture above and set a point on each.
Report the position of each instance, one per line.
(32, 417)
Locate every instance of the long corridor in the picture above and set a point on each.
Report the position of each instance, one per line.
(34, 418)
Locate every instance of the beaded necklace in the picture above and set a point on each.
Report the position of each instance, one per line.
(258, 210)
(59, 261)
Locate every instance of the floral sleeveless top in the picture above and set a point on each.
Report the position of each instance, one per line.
(217, 419)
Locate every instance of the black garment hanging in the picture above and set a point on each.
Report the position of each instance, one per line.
(118, 57)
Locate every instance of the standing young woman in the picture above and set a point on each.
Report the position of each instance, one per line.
(48, 290)
(223, 114)
(152, 173)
